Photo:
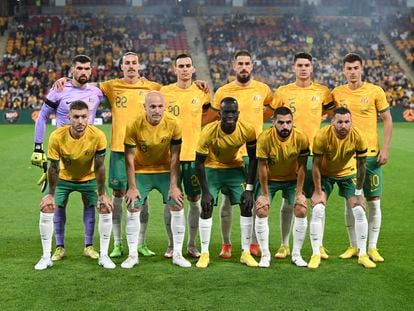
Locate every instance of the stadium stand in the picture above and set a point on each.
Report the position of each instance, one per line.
(274, 40)
(39, 50)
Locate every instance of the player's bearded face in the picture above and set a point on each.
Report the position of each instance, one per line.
(342, 124)
(82, 72)
(78, 120)
(283, 125)
(243, 67)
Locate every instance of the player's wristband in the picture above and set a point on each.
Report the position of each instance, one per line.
(358, 191)
(249, 187)
(38, 147)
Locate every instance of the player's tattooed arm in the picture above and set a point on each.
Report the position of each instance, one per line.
(52, 175)
(99, 167)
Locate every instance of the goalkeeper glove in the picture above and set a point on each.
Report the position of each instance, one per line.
(38, 156)
(42, 182)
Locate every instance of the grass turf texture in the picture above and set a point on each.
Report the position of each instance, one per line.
(78, 283)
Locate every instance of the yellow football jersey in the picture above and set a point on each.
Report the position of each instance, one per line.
(282, 156)
(127, 102)
(153, 143)
(306, 103)
(76, 156)
(187, 106)
(364, 103)
(252, 99)
(339, 154)
(223, 149)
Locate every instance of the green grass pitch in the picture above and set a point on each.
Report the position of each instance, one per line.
(78, 283)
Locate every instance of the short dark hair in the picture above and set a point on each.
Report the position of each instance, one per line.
(341, 110)
(302, 55)
(130, 53)
(78, 105)
(283, 111)
(229, 101)
(352, 57)
(242, 53)
(83, 59)
(182, 56)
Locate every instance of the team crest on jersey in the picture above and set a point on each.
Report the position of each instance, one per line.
(364, 100)
(90, 99)
(164, 139)
(257, 98)
(315, 98)
(195, 101)
(88, 152)
(142, 93)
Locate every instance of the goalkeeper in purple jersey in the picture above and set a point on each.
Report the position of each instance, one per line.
(57, 102)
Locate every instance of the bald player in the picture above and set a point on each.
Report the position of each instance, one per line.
(152, 153)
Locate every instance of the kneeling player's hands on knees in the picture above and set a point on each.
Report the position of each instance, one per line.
(300, 200)
(318, 197)
(262, 206)
(47, 205)
(104, 204)
(130, 197)
(175, 194)
(207, 201)
(357, 200)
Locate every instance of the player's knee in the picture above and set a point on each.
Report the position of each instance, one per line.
(206, 212)
(48, 209)
(262, 212)
(134, 209)
(246, 210)
(175, 208)
(104, 210)
(318, 210)
(118, 193)
(300, 211)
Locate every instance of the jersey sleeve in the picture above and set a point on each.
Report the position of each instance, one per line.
(269, 97)
(328, 102)
(277, 100)
(105, 87)
(319, 143)
(361, 147)
(176, 138)
(217, 100)
(40, 126)
(52, 99)
(261, 148)
(130, 135)
(102, 143)
(203, 146)
(304, 145)
(53, 148)
(381, 103)
(250, 136)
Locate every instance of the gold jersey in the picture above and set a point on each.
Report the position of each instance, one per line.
(282, 156)
(187, 106)
(364, 103)
(152, 143)
(223, 150)
(76, 156)
(306, 103)
(339, 154)
(127, 102)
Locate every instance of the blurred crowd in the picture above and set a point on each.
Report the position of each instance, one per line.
(40, 48)
(274, 40)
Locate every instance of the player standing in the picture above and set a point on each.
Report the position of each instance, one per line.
(308, 101)
(366, 101)
(253, 98)
(185, 100)
(57, 103)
